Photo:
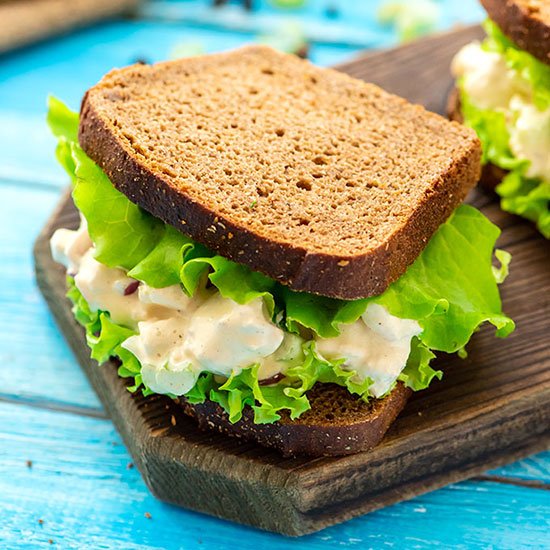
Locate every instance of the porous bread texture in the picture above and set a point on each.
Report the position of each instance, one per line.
(321, 181)
(337, 424)
(525, 22)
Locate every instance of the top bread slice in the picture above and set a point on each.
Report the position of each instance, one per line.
(323, 182)
(525, 22)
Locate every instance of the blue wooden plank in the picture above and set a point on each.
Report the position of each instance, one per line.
(81, 488)
(26, 147)
(36, 362)
(533, 468)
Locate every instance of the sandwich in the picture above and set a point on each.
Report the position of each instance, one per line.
(278, 247)
(504, 95)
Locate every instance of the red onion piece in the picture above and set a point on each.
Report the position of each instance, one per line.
(272, 380)
(131, 288)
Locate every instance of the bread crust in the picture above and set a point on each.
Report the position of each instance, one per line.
(491, 175)
(312, 434)
(525, 22)
(328, 274)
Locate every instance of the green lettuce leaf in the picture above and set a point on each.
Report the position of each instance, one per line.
(418, 373)
(104, 343)
(451, 288)
(234, 281)
(63, 124)
(501, 273)
(104, 337)
(266, 401)
(62, 121)
(123, 233)
(520, 195)
(527, 197)
(493, 133)
(161, 267)
(320, 314)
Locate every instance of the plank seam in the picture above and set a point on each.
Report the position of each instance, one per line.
(55, 406)
(529, 483)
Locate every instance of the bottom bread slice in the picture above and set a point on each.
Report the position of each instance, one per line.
(491, 175)
(337, 424)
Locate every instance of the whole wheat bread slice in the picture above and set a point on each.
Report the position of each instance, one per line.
(321, 181)
(525, 22)
(337, 424)
(491, 175)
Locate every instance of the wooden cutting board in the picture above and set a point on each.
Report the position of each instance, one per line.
(492, 408)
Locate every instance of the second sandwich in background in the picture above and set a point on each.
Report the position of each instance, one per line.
(504, 95)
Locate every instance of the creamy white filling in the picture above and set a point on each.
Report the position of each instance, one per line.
(69, 246)
(158, 347)
(530, 137)
(376, 346)
(178, 336)
(104, 286)
(286, 355)
(487, 80)
(219, 336)
(490, 84)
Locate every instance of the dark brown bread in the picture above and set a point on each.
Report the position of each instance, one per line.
(491, 175)
(337, 424)
(525, 22)
(323, 182)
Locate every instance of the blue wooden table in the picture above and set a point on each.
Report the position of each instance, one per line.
(65, 477)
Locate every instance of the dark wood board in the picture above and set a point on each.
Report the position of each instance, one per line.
(492, 408)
